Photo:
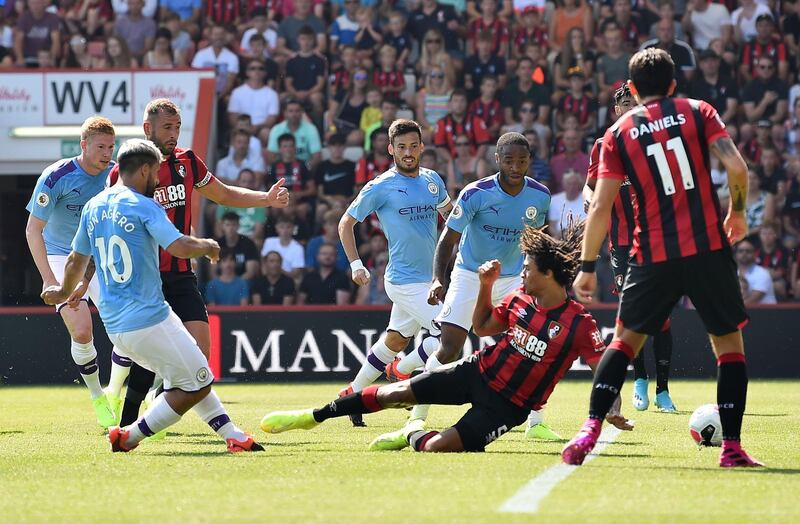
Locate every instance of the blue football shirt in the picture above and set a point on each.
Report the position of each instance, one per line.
(491, 221)
(408, 211)
(58, 198)
(122, 230)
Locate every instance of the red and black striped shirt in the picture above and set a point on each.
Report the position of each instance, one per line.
(448, 129)
(491, 113)
(663, 149)
(538, 348)
(498, 30)
(754, 50)
(778, 260)
(295, 174)
(223, 11)
(582, 107)
(179, 174)
(522, 37)
(382, 79)
(621, 225)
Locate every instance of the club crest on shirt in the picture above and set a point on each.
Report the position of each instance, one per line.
(446, 311)
(42, 199)
(181, 171)
(554, 329)
(457, 211)
(531, 213)
(202, 375)
(433, 188)
(620, 279)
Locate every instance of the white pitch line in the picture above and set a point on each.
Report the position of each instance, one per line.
(529, 496)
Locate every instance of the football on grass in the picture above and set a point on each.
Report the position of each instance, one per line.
(705, 426)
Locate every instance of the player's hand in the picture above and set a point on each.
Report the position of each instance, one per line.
(489, 272)
(213, 251)
(584, 286)
(278, 196)
(53, 295)
(361, 277)
(735, 227)
(74, 299)
(436, 293)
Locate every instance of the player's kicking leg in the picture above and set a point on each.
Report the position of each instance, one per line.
(168, 350)
(79, 324)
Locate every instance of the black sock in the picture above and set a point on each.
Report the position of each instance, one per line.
(418, 439)
(731, 393)
(639, 369)
(608, 378)
(352, 404)
(662, 347)
(139, 383)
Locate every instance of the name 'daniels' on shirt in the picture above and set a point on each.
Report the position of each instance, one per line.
(657, 125)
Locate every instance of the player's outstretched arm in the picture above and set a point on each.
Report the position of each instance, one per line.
(221, 193)
(484, 324)
(727, 153)
(445, 250)
(192, 247)
(74, 270)
(34, 234)
(360, 275)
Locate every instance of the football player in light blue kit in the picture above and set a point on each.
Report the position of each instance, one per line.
(121, 229)
(55, 209)
(408, 200)
(486, 224)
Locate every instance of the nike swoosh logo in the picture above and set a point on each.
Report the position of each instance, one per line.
(331, 178)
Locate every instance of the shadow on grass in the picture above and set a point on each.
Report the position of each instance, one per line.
(710, 468)
(12, 432)
(221, 453)
(766, 414)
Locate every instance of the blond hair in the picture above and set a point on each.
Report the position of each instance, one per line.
(96, 125)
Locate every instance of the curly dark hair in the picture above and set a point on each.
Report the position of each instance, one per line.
(562, 257)
(624, 91)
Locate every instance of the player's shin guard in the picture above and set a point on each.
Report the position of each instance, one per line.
(360, 402)
(379, 355)
(662, 347)
(608, 378)
(85, 357)
(139, 383)
(418, 439)
(159, 416)
(420, 411)
(731, 393)
(213, 413)
(419, 356)
(120, 368)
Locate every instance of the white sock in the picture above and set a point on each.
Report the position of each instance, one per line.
(158, 416)
(420, 411)
(213, 413)
(85, 357)
(120, 368)
(418, 357)
(535, 417)
(379, 355)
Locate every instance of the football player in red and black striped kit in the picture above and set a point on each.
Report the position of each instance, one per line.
(181, 172)
(681, 244)
(545, 332)
(620, 237)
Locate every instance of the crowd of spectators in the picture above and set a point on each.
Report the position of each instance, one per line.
(307, 88)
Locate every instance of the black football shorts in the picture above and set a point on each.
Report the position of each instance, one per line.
(709, 280)
(183, 296)
(490, 416)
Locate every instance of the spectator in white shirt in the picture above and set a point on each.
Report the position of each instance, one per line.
(222, 59)
(706, 22)
(744, 18)
(260, 25)
(120, 7)
(759, 289)
(256, 99)
(229, 167)
(569, 201)
(294, 258)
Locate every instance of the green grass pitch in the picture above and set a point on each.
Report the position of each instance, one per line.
(55, 466)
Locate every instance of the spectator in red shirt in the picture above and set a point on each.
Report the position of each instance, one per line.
(488, 108)
(297, 178)
(388, 77)
(530, 30)
(456, 123)
(765, 44)
(376, 161)
(775, 258)
(489, 22)
(577, 102)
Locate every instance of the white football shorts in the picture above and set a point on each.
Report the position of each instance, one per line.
(410, 309)
(57, 263)
(459, 302)
(168, 350)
